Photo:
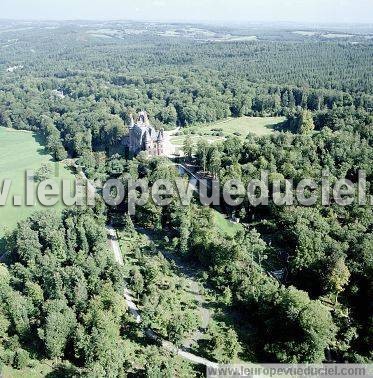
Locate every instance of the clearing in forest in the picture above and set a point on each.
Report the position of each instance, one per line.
(219, 130)
(20, 151)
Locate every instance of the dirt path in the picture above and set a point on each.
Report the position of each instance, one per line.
(195, 288)
(190, 274)
(113, 241)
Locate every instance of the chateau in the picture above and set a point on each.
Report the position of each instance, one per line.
(144, 137)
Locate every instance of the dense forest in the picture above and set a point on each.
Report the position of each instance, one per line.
(61, 288)
(85, 89)
(327, 251)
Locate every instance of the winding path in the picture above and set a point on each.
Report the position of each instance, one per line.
(113, 240)
(194, 287)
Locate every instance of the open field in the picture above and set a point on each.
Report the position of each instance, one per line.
(37, 370)
(232, 126)
(20, 151)
(225, 226)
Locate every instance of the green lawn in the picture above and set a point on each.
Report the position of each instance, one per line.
(20, 151)
(225, 226)
(41, 369)
(244, 125)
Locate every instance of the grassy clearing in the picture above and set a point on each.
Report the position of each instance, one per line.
(38, 370)
(232, 126)
(225, 226)
(172, 283)
(20, 151)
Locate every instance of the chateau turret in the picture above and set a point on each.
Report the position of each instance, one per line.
(144, 137)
